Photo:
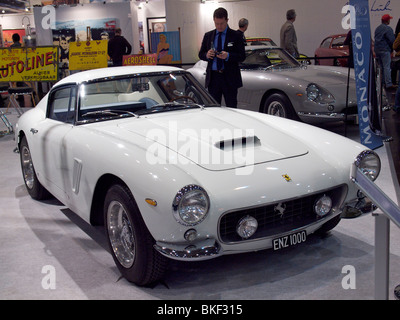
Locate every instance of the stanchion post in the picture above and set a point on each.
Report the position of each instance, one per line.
(382, 233)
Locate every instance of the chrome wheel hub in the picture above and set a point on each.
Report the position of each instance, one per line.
(120, 233)
(27, 167)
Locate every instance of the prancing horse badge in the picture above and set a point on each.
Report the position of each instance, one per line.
(286, 177)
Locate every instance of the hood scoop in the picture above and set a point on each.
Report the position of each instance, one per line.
(238, 143)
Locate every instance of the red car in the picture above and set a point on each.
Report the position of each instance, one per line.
(332, 46)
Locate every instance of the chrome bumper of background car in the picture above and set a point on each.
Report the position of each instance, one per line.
(206, 249)
(357, 207)
(327, 115)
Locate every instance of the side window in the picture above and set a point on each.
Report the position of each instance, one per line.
(62, 104)
(326, 43)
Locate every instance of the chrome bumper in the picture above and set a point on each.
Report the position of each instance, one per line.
(334, 116)
(206, 249)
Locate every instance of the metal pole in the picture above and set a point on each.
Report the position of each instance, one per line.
(382, 232)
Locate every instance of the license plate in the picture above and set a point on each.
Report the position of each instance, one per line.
(289, 240)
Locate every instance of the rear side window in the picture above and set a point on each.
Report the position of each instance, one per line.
(62, 104)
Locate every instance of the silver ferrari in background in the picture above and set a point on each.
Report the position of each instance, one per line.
(275, 83)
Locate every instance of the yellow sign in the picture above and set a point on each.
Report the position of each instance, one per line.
(140, 59)
(85, 55)
(29, 64)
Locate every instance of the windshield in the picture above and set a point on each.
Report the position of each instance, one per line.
(270, 58)
(138, 95)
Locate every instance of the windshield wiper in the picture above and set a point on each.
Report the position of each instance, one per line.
(113, 112)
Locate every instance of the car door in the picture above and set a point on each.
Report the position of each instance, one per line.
(50, 139)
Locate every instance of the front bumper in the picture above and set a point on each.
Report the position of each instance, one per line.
(326, 116)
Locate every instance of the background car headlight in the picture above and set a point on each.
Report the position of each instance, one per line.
(318, 94)
(312, 92)
(369, 164)
(191, 205)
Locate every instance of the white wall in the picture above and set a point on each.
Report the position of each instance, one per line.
(120, 11)
(316, 19)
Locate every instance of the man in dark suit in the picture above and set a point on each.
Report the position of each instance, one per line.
(223, 48)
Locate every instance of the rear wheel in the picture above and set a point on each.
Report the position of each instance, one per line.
(130, 242)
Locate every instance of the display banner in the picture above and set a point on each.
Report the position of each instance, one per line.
(361, 37)
(85, 55)
(29, 64)
(140, 60)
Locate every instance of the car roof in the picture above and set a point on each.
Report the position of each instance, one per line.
(100, 73)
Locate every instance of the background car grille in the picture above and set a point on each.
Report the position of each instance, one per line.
(298, 213)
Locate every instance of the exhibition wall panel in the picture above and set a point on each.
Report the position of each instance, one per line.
(316, 19)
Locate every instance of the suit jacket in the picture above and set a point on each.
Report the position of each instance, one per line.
(235, 47)
(289, 38)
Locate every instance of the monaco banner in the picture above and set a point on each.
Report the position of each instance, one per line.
(361, 36)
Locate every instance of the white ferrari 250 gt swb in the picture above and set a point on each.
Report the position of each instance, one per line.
(146, 152)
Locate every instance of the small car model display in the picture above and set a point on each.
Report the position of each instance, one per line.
(333, 46)
(275, 83)
(147, 153)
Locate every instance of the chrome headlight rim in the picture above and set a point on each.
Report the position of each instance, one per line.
(179, 211)
(367, 155)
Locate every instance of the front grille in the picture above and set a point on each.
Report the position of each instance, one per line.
(298, 213)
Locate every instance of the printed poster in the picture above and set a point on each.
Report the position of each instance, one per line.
(29, 64)
(85, 55)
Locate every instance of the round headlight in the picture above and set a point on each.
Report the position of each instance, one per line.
(312, 92)
(246, 227)
(191, 205)
(323, 205)
(369, 163)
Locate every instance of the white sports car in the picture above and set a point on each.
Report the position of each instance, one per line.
(147, 153)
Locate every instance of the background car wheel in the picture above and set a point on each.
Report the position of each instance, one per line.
(279, 105)
(34, 187)
(130, 242)
(316, 61)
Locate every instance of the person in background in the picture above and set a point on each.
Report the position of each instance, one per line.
(118, 47)
(243, 25)
(288, 35)
(383, 46)
(223, 49)
(16, 41)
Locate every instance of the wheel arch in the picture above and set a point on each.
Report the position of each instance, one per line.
(102, 186)
(267, 94)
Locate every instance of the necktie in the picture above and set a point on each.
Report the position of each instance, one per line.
(220, 63)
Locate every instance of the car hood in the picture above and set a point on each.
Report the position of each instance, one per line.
(215, 138)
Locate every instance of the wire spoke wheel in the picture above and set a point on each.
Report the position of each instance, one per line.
(121, 234)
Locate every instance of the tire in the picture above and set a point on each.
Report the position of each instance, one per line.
(279, 105)
(131, 244)
(32, 184)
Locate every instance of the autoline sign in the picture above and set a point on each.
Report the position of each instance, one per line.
(361, 36)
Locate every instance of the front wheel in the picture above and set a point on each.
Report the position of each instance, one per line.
(279, 105)
(130, 242)
(32, 184)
